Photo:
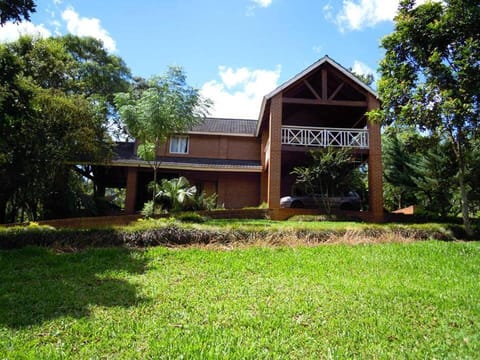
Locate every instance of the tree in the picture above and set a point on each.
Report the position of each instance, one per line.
(15, 10)
(435, 170)
(99, 76)
(166, 106)
(329, 172)
(430, 76)
(53, 106)
(367, 79)
(399, 172)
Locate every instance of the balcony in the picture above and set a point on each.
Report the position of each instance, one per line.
(323, 137)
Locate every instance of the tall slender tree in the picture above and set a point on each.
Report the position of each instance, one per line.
(166, 105)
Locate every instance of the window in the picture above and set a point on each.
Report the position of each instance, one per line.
(179, 144)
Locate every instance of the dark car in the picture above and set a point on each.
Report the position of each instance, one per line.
(350, 200)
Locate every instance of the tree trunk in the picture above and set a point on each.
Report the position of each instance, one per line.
(460, 154)
(154, 188)
(3, 210)
(463, 192)
(99, 187)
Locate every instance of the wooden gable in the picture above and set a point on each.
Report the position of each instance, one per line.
(324, 83)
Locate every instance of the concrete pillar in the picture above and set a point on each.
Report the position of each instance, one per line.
(275, 162)
(375, 172)
(131, 195)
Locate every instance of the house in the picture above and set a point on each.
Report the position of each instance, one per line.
(247, 162)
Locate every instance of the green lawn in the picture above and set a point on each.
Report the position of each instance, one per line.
(416, 300)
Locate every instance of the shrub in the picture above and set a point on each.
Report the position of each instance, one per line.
(205, 202)
(191, 217)
(149, 209)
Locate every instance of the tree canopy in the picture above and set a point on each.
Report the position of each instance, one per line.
(155, 109)
(16, 10)
(430, 76)
(54, 103)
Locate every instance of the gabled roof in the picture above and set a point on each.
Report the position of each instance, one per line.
(220, 126)
(324, 60)
(313, 67)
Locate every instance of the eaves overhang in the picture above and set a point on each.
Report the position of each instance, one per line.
(192, 166)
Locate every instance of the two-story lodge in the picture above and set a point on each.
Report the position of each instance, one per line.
(247, 162)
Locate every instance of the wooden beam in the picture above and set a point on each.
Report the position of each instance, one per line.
(324, 84)
(310, 87)
(351, 103)
(339, 87)
(358, 121)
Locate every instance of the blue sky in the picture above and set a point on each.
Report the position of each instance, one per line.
(235, 51)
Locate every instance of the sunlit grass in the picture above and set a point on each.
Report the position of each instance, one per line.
(417, 300)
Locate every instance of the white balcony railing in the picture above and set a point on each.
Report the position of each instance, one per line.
(323, 137)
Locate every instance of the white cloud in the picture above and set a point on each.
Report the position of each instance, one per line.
(328, 11)
(255, 4)
(240, 92)
(82, 26)
(262, 3)
(356, 15)
(361, 68)
(12, 31)
(359, 14)
(317, 49)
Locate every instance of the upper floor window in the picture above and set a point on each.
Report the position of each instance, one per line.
(179, 144)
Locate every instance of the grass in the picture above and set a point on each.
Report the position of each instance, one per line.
(415, 300)
(291, 225)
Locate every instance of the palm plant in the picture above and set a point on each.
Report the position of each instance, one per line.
(177, 192)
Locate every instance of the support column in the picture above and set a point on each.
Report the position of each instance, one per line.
(375, 172)
(131, 196)
(275, 162)
(264, 174)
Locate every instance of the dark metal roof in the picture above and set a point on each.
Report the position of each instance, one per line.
(210, 162)
(124, 151)
(227, 126)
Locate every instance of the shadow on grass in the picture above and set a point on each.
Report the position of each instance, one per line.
(37, 284)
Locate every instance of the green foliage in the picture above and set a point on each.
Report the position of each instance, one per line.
(146, 151)
(329, 172)
(399, 172)
(16, 10)
(176, 193)
(367, 79)
(419, 170)
(191, 228)
(155, 109)
(205, 202)
(436, 170)
(56, 104)
(148, 210)
(430, 77)
(191, 217)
